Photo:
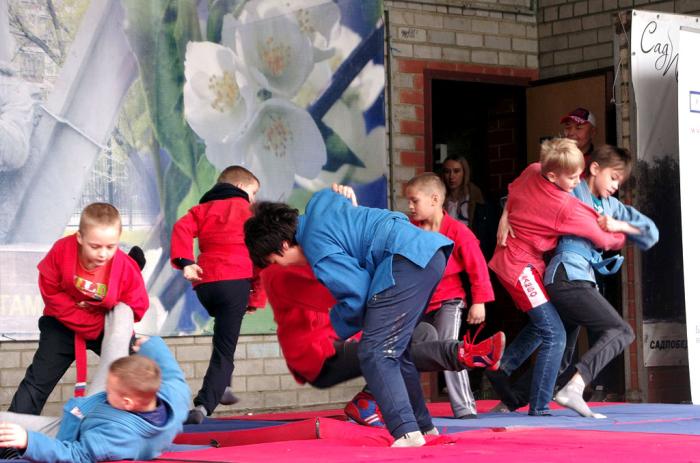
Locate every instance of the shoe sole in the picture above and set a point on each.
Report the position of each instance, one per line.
(496, 365)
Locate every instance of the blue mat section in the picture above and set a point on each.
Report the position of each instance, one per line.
(212, 424)
(648, 418)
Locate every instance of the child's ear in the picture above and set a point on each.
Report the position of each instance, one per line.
(79, 237)
(551, 176)
(129, 403)
(594, 168)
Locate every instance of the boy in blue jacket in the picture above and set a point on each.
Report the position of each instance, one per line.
(135, 418)
(381, 270)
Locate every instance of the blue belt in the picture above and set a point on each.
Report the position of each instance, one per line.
(594, 257)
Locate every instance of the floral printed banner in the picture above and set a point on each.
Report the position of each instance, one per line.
(142, 103)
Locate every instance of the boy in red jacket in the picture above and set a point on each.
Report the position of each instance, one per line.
(221, 277)
(84, 278)
(540, 210)
(426, 195)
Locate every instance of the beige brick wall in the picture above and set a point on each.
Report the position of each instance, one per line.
(261, 379)
(577, 35)
(497, 37)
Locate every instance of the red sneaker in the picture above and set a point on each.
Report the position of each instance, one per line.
(486, 354)
(363, 409)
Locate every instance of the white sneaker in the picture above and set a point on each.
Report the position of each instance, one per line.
(410, 439)
(432, 432)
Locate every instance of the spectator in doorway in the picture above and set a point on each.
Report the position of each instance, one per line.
(462, 194)
(580, 126)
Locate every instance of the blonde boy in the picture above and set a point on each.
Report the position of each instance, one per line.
(426, 196)
(136, 418)
(82, 279)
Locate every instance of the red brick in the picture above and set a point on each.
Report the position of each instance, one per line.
(418, 81)
(472, 68)
(412, 158)
(505, 166)
(532, 74)
(500, 137)
(420, 143)
(411, 96)
(411, 65)
(441, 65)
(412, 127)
(420, 113)
(509, 151)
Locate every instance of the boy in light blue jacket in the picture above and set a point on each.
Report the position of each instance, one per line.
(570, 276)
(137, 417)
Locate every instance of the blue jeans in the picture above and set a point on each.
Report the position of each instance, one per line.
(390, 319)
(546, 331)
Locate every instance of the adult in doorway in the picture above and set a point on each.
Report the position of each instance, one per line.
(580, 126)
(462, 194)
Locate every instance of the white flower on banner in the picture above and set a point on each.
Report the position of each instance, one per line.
(348, 124)
(282, 140)
(277, 55)
(318, 20)
(216, 95)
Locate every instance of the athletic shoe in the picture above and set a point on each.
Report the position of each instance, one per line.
(196, 415)
(137, 254)
(363, 409)
(410, 439)
(501, 385)
(486, 354)
(229, 398)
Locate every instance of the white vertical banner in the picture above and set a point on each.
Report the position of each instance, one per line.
(689, 163)
(655, 59)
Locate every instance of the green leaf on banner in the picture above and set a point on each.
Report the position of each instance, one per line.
(338, 152)
(176, 187)
(158, 32)
(217, 10)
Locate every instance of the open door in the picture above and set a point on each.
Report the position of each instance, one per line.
(547, 101)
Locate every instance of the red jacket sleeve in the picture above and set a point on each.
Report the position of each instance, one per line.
(258, 297)
(580, 220)
(474, 263)
(185, 231)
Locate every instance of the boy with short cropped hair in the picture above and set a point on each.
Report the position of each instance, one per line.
(84, 279)
(426, 196)
(539, 210)
(135, 418)
(221, 276)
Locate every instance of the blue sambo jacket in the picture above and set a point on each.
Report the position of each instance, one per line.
(350, 250)
(575, 253)
(92, 430)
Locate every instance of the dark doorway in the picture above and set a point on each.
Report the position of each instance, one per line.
(484, 122)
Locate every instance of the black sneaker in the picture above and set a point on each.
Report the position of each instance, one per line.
(501, 385)
(10, 453)
(229, 398)
(195, 416)
(139, 257)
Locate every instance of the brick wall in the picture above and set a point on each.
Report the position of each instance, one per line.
(498, 38)
(576, 36)
(261, 379)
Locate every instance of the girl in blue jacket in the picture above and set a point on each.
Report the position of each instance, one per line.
(381, 270)
(570, 276)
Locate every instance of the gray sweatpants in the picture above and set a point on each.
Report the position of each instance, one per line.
(447, 321)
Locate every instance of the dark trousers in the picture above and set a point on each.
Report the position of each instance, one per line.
(390, 319)
(427, 351)
(55, 354)
(580, 304)
(226, 301)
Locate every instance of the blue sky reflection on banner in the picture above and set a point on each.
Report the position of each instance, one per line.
(140, 104)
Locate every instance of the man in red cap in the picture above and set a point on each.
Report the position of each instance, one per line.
(580, 126)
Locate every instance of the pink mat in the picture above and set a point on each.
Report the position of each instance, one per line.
(539, 445)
